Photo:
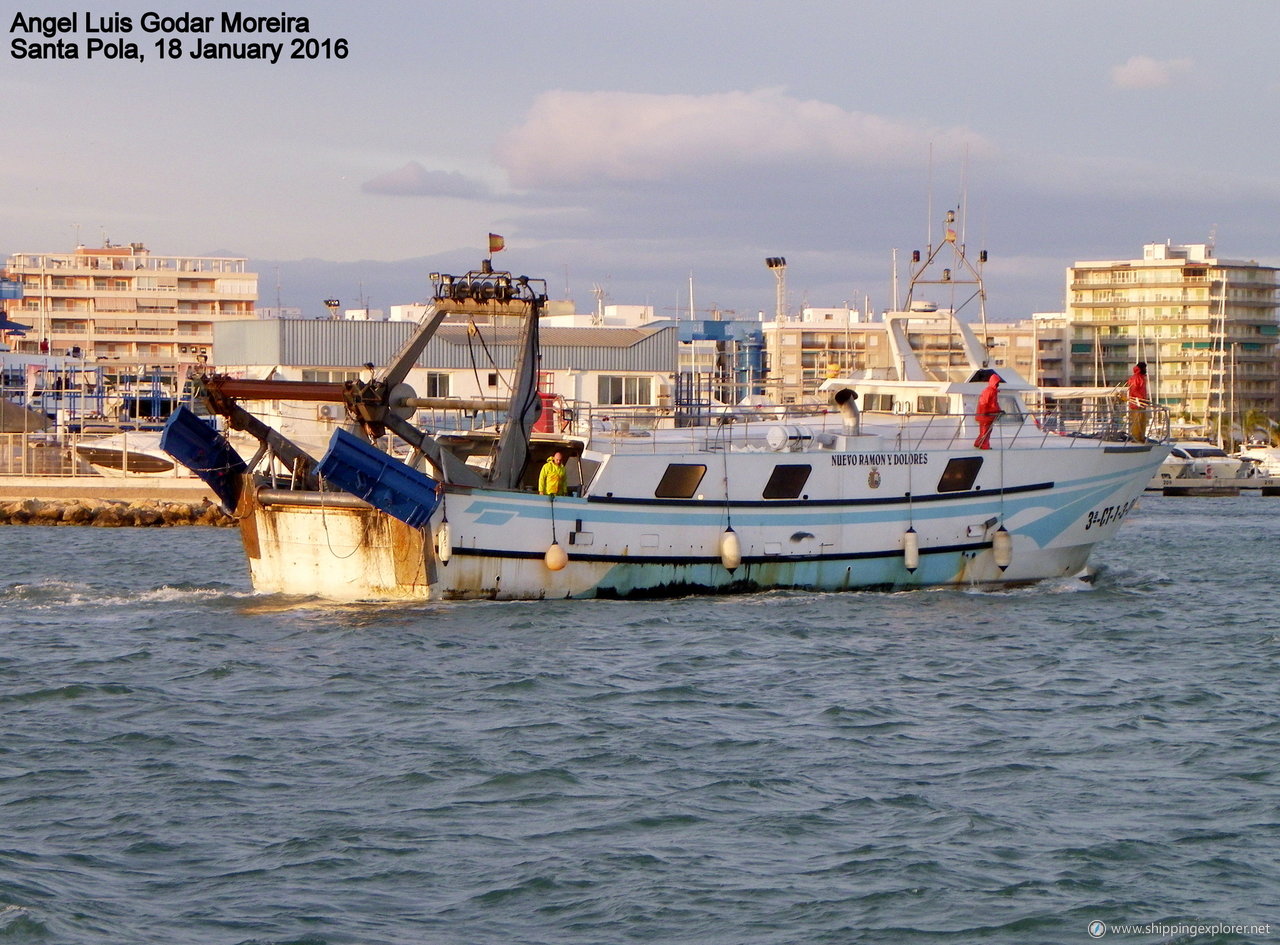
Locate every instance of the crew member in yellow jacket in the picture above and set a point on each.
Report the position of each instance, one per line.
(554, 478)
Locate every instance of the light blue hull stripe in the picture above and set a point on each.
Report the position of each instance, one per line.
(1070, 502)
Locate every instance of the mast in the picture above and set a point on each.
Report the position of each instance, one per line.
(895, 282)
(957, 271)
(1232, 395)
(1217, 366)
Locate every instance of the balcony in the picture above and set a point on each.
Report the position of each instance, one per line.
(125, 331)
(1103, 279)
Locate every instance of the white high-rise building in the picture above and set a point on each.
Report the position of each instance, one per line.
(1206, 327)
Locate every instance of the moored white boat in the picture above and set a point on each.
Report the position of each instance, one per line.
(1194, 462)
(1259, 461)
(894, 497)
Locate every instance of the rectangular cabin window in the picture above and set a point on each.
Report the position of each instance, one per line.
(787, 481)
(680, 481)
(493, 379)
(960, 474)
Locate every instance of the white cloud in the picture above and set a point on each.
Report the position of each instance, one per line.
(1143, 72)
(414, 180)
(583, 138)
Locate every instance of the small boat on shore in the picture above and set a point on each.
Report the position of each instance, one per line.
(894, 495)
(134, 453)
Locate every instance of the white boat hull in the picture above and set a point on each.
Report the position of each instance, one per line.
(1192, 464)
(650, 547)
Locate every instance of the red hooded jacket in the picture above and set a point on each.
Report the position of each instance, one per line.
(988, 400)
(1137, 385)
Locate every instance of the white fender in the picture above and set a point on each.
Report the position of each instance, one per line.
(730, 550)
(911, 550)
(444, 543)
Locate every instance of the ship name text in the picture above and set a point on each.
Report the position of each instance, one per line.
(879, 459)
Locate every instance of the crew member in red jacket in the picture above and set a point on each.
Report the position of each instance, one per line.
(1138, 402)
(988, 410)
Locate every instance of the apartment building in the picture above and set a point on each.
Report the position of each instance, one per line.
(804, 351)
(1051, 341)
(1207, 328)
(124, 304)
(801, 351)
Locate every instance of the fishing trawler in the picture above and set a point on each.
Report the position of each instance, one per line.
(892, 496)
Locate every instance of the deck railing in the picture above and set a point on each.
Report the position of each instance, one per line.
(660, 429)
(51, 454)
(1067, 423)
(39, 454)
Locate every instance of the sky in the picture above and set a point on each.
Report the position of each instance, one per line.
(633, 148)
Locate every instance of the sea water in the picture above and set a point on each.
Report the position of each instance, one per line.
(182, 761)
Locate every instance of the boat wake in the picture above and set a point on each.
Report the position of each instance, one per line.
(58, 594)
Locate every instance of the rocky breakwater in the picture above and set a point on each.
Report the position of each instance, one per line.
(111, 513)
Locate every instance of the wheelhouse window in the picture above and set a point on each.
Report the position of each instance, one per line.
(787, 481)
(623, 391)
(1012, 410)
(960, 474)
(680, 481)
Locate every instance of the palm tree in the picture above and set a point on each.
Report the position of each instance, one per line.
(1257, 422)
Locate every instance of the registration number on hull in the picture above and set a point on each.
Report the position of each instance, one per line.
(1109, 514)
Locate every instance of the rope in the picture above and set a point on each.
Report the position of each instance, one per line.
(728, 512)
(473, 331)
(911, 514)
(324, 520)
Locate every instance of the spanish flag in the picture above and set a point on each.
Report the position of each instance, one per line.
(496, 243)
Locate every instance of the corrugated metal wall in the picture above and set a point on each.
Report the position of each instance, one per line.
(322, 343)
